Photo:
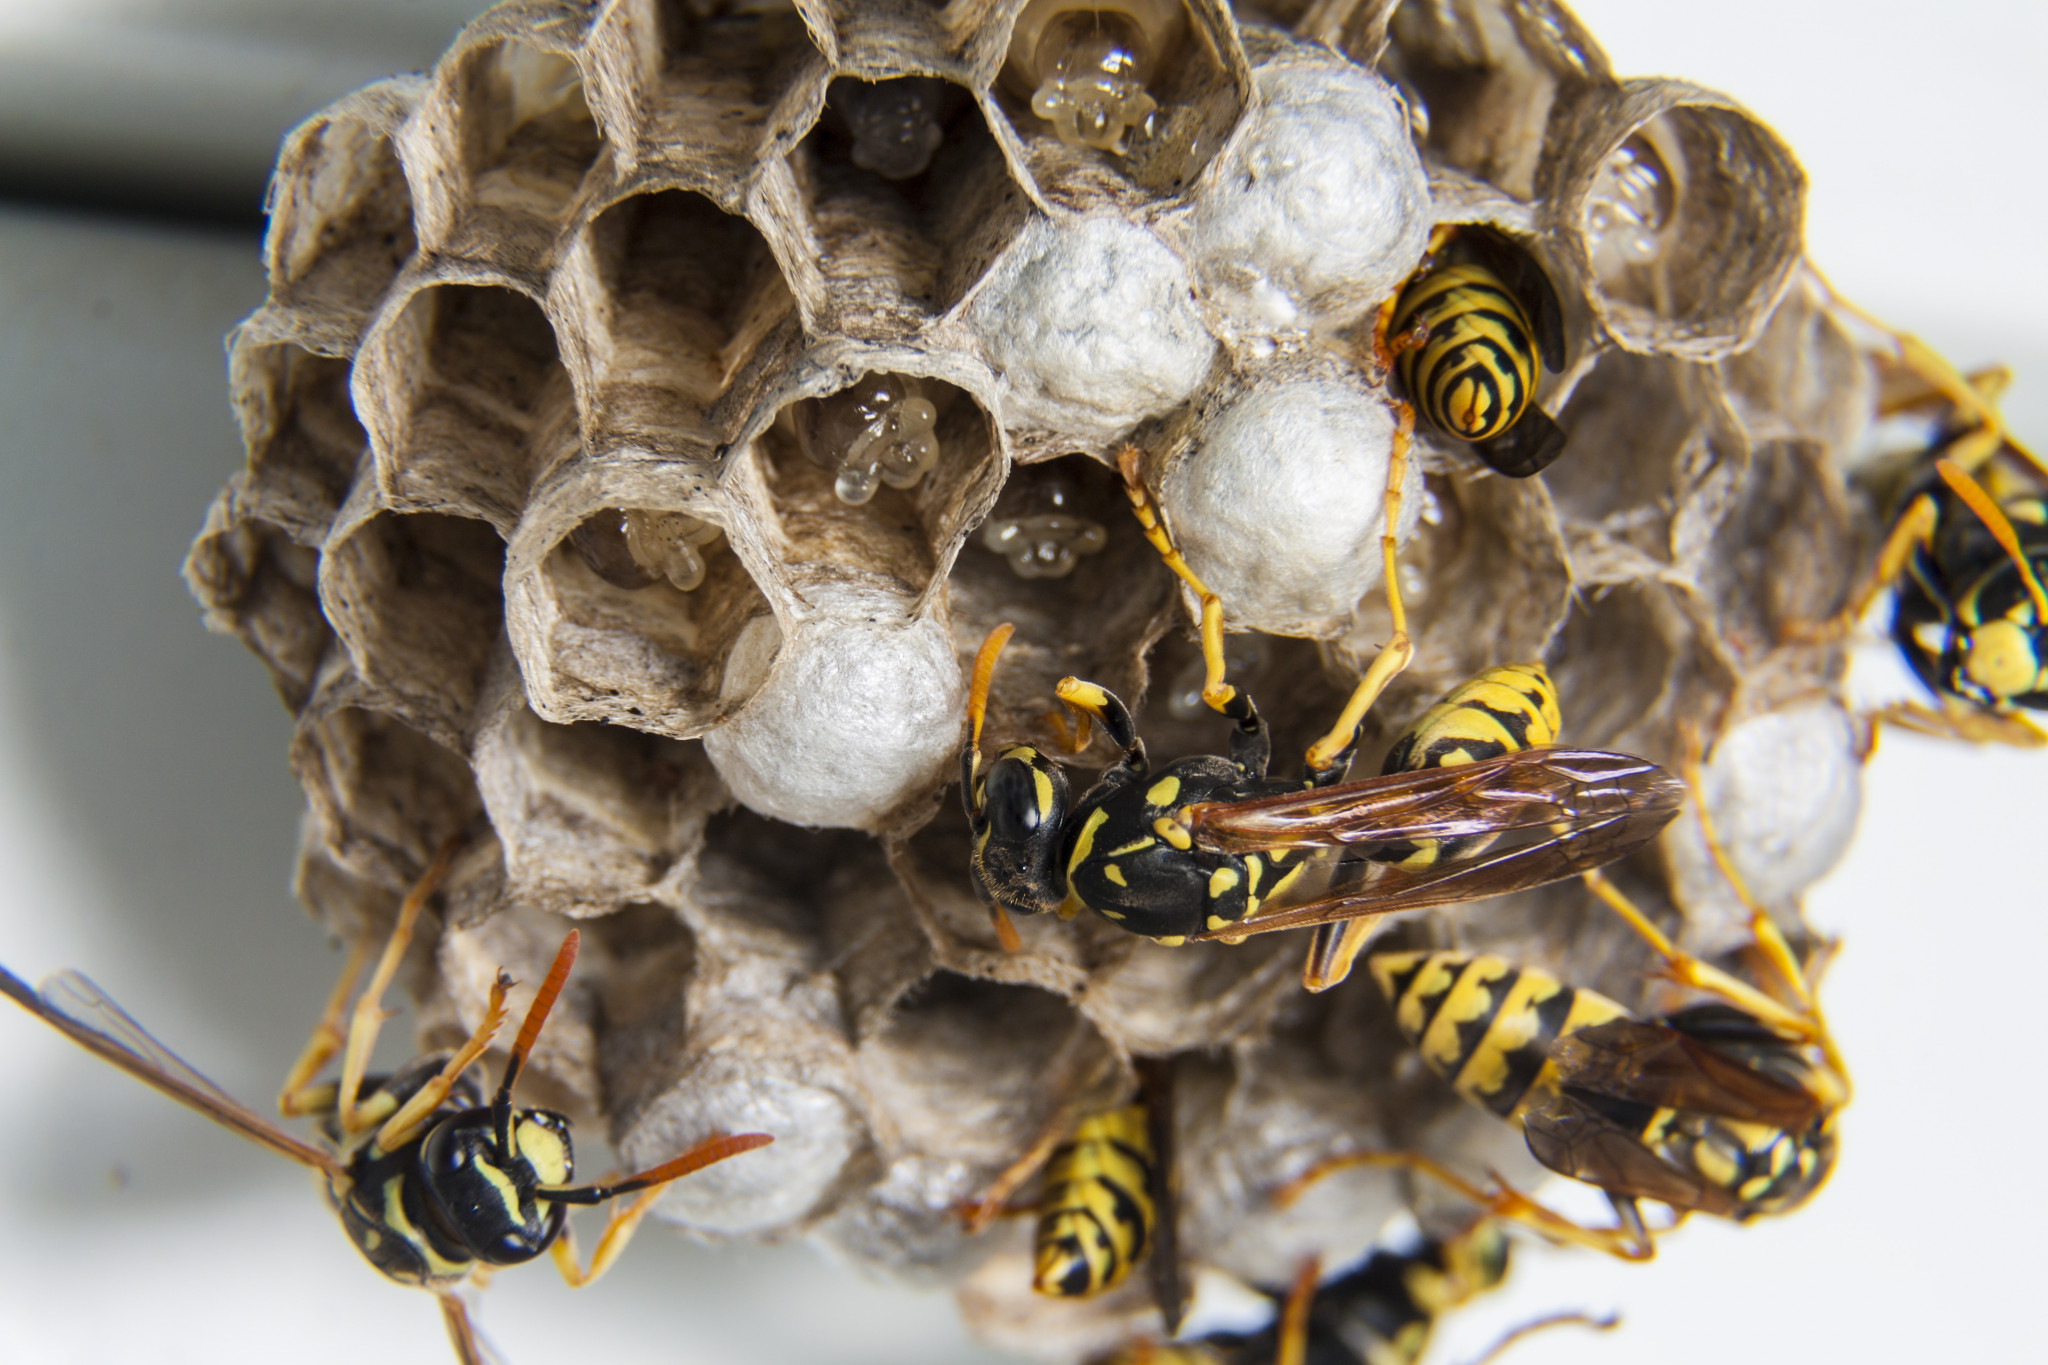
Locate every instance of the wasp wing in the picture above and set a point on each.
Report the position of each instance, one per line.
(1531, 789)
(1547, 814)
(70, 1003)
(1652, 1063)
(1165, 1270)
(1528, 447)
(1572, 1138)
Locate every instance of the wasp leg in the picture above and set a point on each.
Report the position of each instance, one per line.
(299, 1096)
(1091, 701)
(461, 1331)
(1628, 1242)
(1913, 530)
(403, 1125)
(1956, 720)
(1293, 1334)
(1332, 752)
(1250, 743)
(1599, 1322)
(995, 1200)
(368, 1016)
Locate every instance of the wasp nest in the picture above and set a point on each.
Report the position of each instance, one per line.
(657, 402)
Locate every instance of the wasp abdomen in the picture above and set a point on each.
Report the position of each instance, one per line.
(1485, 1025)
(1096, 1216)
(1476, 372)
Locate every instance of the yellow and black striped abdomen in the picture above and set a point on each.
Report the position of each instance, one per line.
(1503, 710)
(1096, 1216)
(1485, 1025)
(1476, 371)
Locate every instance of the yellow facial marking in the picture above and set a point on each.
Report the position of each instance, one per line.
(502, 1185)
(1221, 883)
(542, 1147)
(1166, 828)
(2001, 659)
(1163, 792)
(1113, 874)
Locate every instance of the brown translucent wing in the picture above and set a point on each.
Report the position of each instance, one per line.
(82, 1012)
(1653, 1064)
(1573, 1139)
(1549, 814)
(1164, 1269)
(1533, 789)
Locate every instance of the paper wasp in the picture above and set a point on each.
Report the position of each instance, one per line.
(1382, 1313)
(1966, 556)
(1210, 847)
(1725, 1107)
(1469, 335)
(432, 1182)
(1108, 1199)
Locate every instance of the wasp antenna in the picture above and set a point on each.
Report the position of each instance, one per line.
(1995, 521)
(537, 1013)
(984, 674)
(706, 1153)
(1294, 1314)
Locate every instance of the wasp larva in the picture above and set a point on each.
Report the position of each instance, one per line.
(880, 430)
(1630, 206)
(1088, 67)
(633, 547)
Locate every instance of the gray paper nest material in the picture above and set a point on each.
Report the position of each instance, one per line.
(602, 258)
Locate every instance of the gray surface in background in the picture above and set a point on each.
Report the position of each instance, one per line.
(177, 106)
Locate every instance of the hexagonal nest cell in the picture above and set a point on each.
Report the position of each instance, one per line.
(658, 403)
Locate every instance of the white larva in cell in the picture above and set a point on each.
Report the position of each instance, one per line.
(1631, 203)
(881, 430)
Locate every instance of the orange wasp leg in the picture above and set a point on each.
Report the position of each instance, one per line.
(1628, 1243)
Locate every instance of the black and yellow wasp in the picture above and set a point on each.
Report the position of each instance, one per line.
(1210, 847)
(1382, 1313)
(1725, 1107)
(1470, 334)
(1107, 1200)
(432, 1182)
(1967, 555)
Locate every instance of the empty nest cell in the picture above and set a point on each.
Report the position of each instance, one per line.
(383, 796)
(708, 91)
(300, 430)
(682, 298)
(908, 198)
(415, 601)
(341, 215)
(465, 398)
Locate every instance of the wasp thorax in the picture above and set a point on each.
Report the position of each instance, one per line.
(881, 430)
(1630, 206)
(895, 124)
(1048, 539)
(632, 547)
(1089, 68)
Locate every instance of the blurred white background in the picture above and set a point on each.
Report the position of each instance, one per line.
(147, 819)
